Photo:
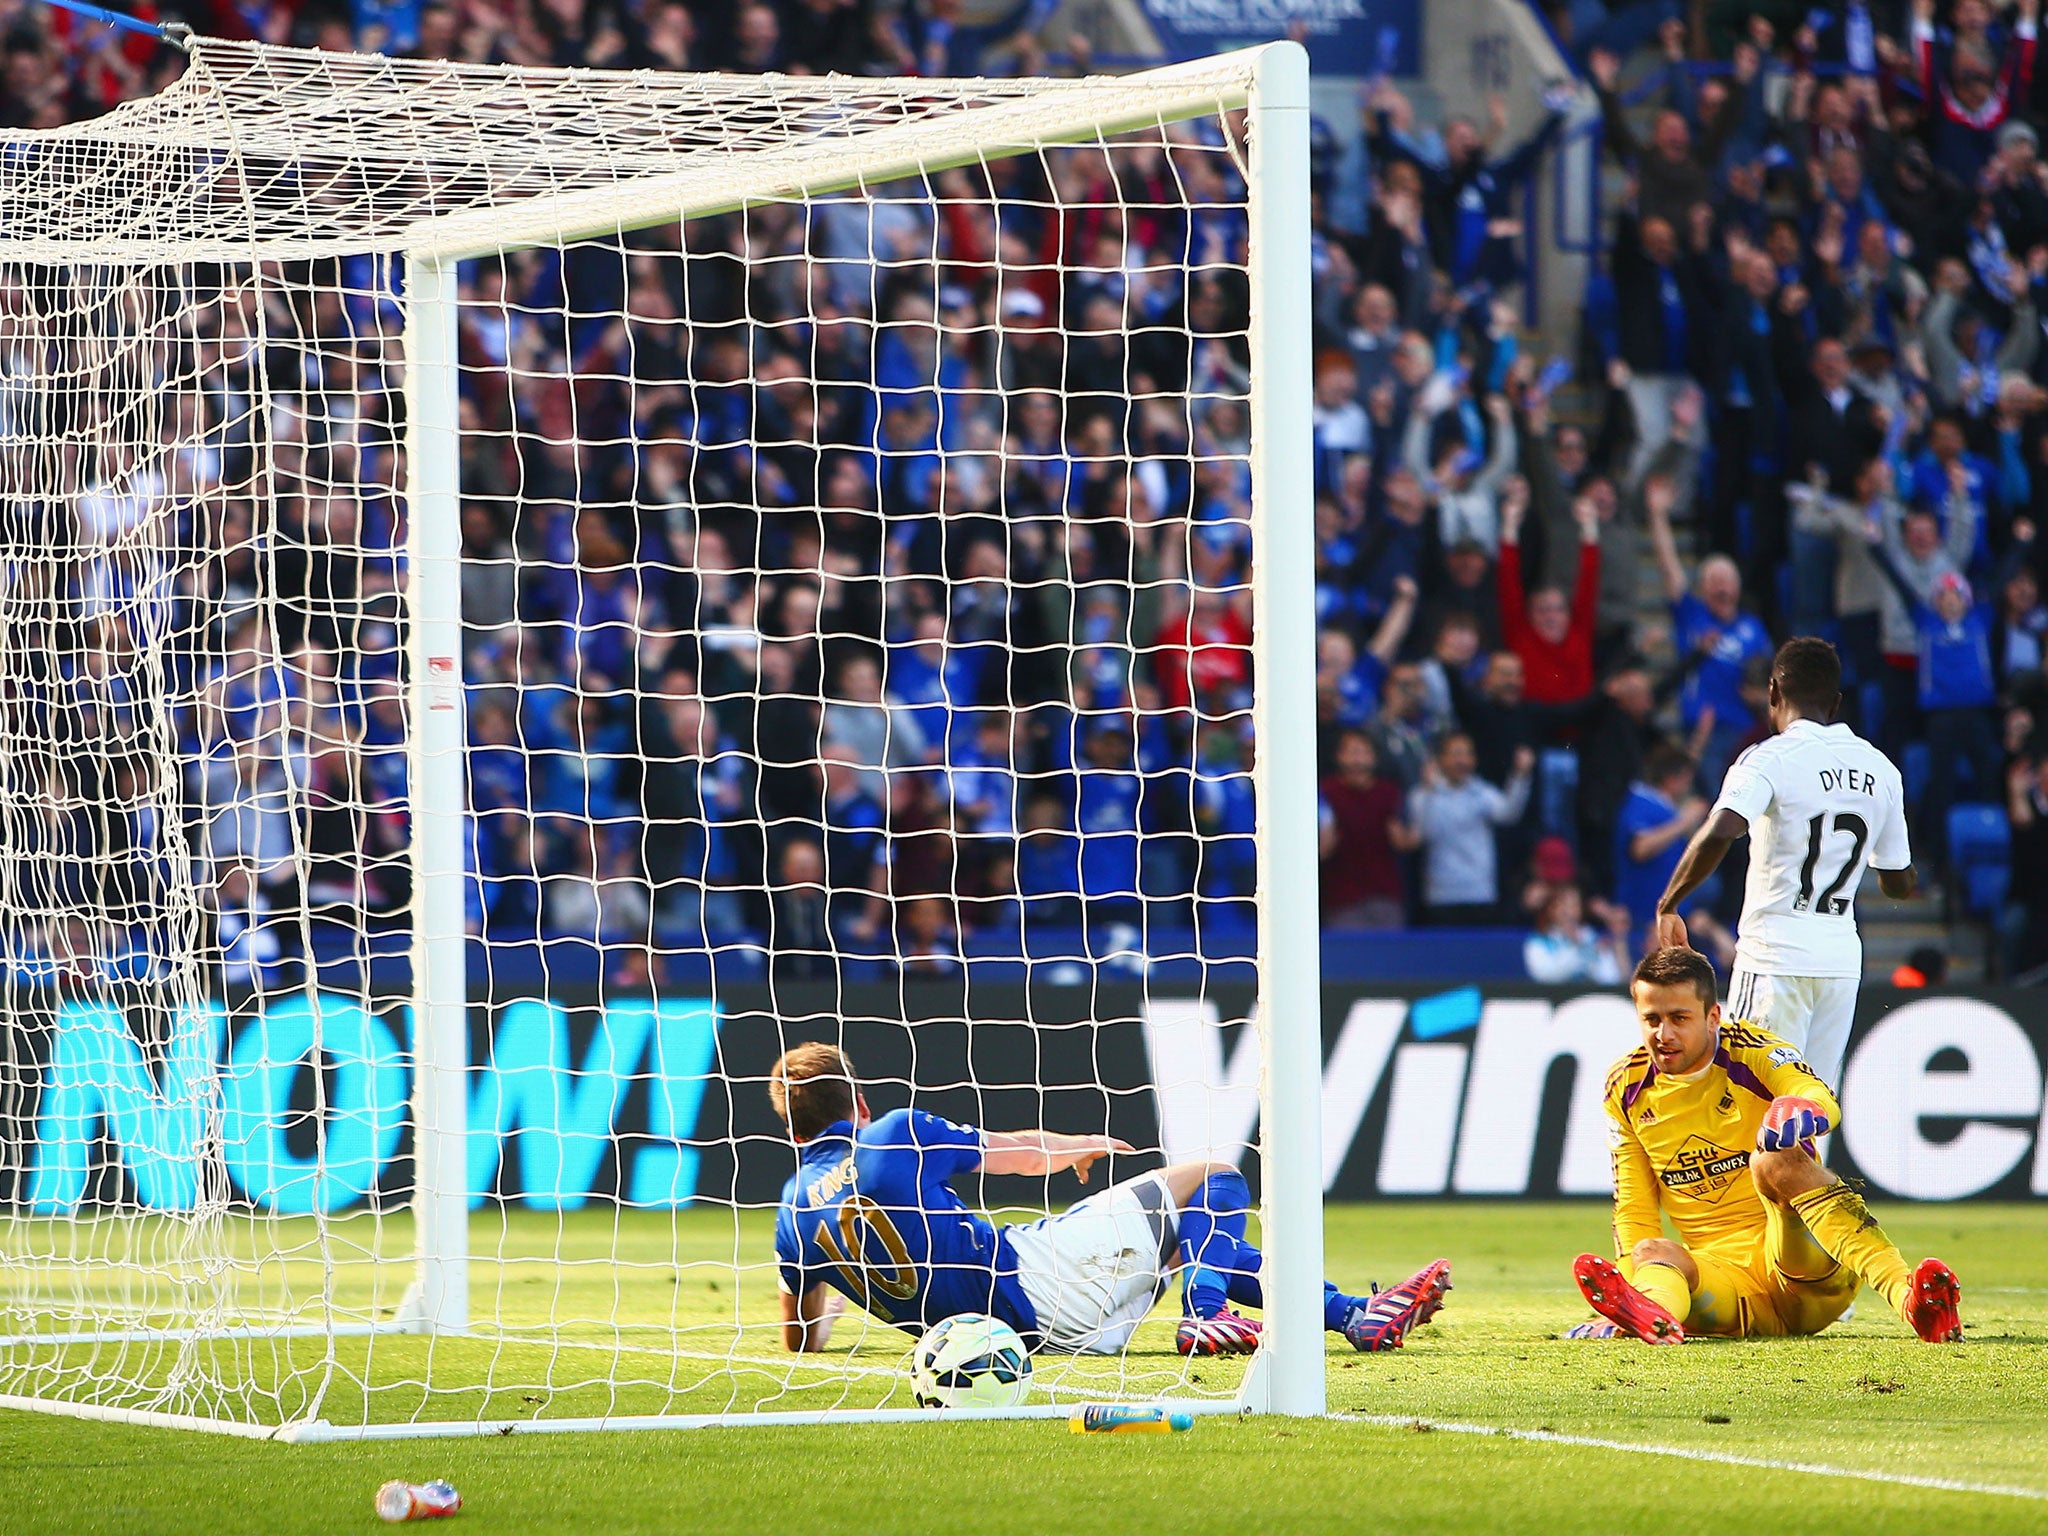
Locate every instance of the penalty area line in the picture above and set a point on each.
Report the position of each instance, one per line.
(1685, 1453)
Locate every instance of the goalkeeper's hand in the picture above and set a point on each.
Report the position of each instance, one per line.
(1790, 1121)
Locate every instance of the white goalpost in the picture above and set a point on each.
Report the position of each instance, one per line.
(525, 593)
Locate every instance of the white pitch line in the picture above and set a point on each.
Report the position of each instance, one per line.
(1682, 1453)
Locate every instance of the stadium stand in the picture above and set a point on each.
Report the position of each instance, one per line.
(1816, 336)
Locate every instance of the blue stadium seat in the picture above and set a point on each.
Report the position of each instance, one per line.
(1979, 834)
(1808, 582)
(1916, 767)
(1980, 848)
(1984, 888)
(1223, 932)
(1557, 793)
(1603, 312)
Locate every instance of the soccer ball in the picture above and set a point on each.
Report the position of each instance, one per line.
(970, 1361)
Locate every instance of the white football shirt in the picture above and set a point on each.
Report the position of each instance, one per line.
(1822, 805)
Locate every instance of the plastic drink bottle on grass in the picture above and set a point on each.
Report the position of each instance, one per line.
(399, 1500)
(1129, 1419)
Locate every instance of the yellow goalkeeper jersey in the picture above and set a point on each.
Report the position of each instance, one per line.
(1682, 1144)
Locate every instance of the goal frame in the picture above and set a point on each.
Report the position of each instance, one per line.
(1287, 1374)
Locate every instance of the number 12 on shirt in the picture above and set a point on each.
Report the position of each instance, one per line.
(1832, 902)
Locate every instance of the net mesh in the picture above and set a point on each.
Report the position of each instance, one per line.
(293, 153)
(856, 647)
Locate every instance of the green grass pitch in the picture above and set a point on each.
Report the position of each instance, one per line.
(1866, 1396)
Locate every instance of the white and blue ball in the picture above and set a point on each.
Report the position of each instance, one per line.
(970, 1361)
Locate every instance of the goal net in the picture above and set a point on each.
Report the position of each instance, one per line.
(526, 593)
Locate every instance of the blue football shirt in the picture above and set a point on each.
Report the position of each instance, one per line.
(1107, 812)
(870, 1213)
(1717, 679)
(1639, 883)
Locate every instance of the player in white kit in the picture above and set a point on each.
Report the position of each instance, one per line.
(1818, 803)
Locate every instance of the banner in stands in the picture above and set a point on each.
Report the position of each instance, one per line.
(1458, 1093)
(1343, 37)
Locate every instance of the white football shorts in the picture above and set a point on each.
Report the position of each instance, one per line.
(1811, 1012)
(1093, 1273)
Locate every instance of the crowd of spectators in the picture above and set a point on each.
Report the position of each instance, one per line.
(871, 580)
(861, 583)
(1808, 398)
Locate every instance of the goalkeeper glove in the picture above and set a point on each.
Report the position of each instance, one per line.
(1789, 1122)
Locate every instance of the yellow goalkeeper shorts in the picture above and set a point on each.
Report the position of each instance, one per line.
(1787, 1285)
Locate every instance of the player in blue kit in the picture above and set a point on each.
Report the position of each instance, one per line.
(870, 1217)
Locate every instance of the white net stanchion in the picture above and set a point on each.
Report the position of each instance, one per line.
(524, 595)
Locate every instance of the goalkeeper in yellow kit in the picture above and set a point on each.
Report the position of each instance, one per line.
(1712, 1124)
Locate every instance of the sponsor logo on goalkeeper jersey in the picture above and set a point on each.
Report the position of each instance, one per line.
(1702, 1170)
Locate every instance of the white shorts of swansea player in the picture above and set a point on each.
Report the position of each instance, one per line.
(1093, 1273)
(1812, 1012)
